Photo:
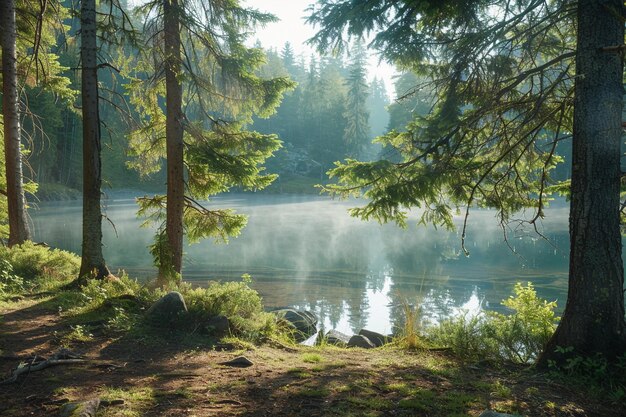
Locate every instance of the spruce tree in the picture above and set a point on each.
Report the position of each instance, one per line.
(19, 230)
(512, 80)
(198, 66)
(357, 131)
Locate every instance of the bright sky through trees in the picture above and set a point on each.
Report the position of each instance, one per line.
(293, 28)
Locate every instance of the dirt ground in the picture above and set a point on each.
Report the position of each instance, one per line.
(144, 377)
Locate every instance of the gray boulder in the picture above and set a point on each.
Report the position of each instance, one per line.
(376, 338)
(167, 310)
(303, 322)
(360, 341)
(334, 337)
(490, 413)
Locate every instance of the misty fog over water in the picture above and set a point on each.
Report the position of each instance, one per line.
(307, 252)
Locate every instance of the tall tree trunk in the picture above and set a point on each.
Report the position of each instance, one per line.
(593, 320)
(174, 139)
(18, 223)
(92, 261)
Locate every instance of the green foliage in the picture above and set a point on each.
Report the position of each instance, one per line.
(466, 335)
(41, 265)
(222, 92)
(595, 373)
(234, 300)
(409, 336)
(227, 299)
(77, 333)
(118, 303)
(523, 334)
(357, 131)
(10, 283)
(518, 337)
(56, 192)
(489, 138)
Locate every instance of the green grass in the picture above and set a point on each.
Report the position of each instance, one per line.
(136, 401)
(312, 358)
(313, 392)
(300, 373)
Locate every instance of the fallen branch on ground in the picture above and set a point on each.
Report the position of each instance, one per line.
(62, 357)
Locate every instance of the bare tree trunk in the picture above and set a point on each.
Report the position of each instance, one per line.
(593, 320)
(18, 220)
(174, 139)
(92, 261)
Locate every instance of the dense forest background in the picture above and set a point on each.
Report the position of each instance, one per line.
(333, 113)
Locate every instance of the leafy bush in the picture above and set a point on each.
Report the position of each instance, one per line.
(595, 373)
(518, 337)
(39, 263)
(227, 299)
(466, 336)
(117, 303)
(10, 283)
(523, 334)
(239, 303)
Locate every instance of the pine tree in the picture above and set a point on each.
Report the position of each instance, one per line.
(28, 35)
(377, 102)
(508, 90)
(19, 230)
(199, 49)
(357, 131)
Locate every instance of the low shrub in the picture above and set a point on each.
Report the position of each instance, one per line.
(10, 283)
(235, 300)
(408, 335)
(117, 304)
(595, 373)
(518, 337)
(39, 263)
(466, 335)
(523, 334)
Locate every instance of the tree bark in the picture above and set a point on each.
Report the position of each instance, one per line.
(174, 140)
(92, 261)
(593, 321)
(19, 231)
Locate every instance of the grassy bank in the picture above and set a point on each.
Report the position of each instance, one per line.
(139, 369)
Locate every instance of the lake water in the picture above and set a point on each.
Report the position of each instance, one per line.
(307, 252)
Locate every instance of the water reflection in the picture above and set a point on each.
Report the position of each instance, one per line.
(307, 252)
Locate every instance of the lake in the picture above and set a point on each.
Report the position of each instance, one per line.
(307, 252)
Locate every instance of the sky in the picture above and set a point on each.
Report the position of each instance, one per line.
(292, 28)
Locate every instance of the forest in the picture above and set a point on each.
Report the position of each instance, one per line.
(504, 114)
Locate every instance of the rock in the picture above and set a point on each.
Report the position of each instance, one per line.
(490, 413)
(310, 316)
(376, 338)
(80, 409)
(360, 341)
(238, 362)
(334, 337)
(218, 325)
(167, 310)
(303, 322)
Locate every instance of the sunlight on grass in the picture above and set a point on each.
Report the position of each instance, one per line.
(136, 401)
(312, 358)
(313, 392)
(300, 372)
